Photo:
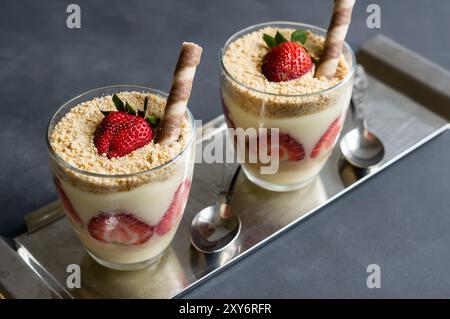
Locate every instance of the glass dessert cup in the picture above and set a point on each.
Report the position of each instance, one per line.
(313, 120)
(149, 203)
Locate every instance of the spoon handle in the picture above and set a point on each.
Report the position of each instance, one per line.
(358, 97)
(225, 195)
(357, 117)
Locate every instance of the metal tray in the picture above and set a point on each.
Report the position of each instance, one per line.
(409, 104)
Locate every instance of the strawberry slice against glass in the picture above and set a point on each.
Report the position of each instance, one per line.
(175, 210)
(328, 138)
(72, 213)
(289, 149)
(120, 228)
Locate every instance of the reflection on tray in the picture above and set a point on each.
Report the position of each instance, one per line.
(164, 278)
(260, 211)
(277, 209)
(202, 264)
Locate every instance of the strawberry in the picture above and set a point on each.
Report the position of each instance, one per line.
(68, 207)
(328, 138)
(124, 131)
(133, 135)
(120, 133)
(107, 128)
(289, 149)
(175, 210)
(286, 60)
(120, 228)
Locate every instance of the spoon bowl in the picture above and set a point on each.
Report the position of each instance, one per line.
(210, 232)
(215, 227)
(362, 150)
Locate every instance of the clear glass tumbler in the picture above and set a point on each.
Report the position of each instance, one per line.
(308, 119)
(123, 204)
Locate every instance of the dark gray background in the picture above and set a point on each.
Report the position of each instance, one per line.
(43, 64)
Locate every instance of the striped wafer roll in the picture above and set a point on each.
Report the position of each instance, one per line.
(179, 93)
(337, 31)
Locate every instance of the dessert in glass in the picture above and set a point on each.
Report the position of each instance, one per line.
(267, 81)
(123, 193)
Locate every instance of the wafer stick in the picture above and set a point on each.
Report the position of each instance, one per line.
(179, 93)
(340, 20)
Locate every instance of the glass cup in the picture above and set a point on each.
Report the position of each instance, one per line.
(313, 120)
(123, 204)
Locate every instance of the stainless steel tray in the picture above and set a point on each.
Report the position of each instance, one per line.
(403, 116)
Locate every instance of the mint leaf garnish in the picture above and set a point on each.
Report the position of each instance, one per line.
(270, 41)
(299, 36)
(279, 38)
(153, 120)
(118, 103)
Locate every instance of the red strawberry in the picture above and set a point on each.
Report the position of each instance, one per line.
(66, 203)
(120, 228)
(175, 210)
(120, 133)
(107, 128)
(136, 134)
(327, 139)
(286, 61)
(289, 148)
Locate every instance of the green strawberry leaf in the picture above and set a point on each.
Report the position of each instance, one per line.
(152, 120)
(279, 38)
(130, 109)
(144, 112)
(299, 36)
(315, 60)
(270, 41)
(145, 105)
(118, 103)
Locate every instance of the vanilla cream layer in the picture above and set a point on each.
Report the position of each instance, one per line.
(148, 203)
(121, 254)
(306, 129)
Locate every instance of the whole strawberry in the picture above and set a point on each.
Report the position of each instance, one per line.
(286, 60)
(124, 131)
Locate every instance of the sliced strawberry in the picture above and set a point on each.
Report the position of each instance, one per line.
(289, 149)
(327, 140)
(175, 210)
(72, 213)
(120, 228)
